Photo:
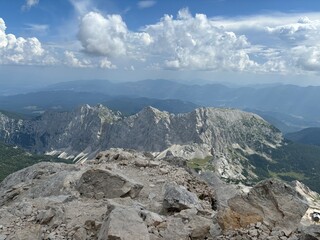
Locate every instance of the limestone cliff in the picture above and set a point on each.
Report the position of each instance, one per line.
(203, 132)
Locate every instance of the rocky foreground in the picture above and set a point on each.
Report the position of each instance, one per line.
(127, 195)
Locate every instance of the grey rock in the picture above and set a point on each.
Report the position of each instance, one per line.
(272, 201)
(46, 179)
(31, 233)
(52, 215)
(311, 232)
(151, 218)
(177, 198)
(96, 182)
(80, 234)
(3, 237)
(123, 223)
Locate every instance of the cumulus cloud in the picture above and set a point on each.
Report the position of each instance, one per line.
(185, 42)
(103, 36)
(73, 61)
(18, 50)
(302, 30)
(29, 4)
(195, 42)
(106, 64)
(146, 4)
(109, 36)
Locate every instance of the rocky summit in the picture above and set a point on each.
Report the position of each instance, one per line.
(130, 195)
(204, 132)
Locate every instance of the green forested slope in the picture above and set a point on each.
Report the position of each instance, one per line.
(292, 161)
(14, 159)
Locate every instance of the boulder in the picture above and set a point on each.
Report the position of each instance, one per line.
(271, 201)
(311, 232)
(30, 233)
(123, 223)
(98, 183)
(177, 198)
(185, 225)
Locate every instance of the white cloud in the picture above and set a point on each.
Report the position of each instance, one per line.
(29, 4)
(103, 36)
(302, 30)
(189, 42)
(18, 50)
(146, 4)
(184, 43)
(73, 61)
(106, 64)
(109, 36)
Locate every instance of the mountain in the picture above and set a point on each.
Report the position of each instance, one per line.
(36, 103)
(293, 105)
(284, 122)
(306, 136)
(129, 106)
(237, 145)
(200, 133)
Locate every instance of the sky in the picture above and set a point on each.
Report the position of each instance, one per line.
(196, 41)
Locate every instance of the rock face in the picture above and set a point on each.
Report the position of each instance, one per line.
(272, 201)
(203, 132)
(111, 197)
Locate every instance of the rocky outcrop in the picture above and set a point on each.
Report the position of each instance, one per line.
(272, 202)
(110, 197)
(130, 195)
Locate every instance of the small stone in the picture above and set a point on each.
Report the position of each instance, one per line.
(161, 181)
(258, 224)
(253, 232)
(164, 170)
(153, 164)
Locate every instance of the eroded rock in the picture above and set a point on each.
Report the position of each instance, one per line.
(100, 183)
(271, 201)
(177, 198)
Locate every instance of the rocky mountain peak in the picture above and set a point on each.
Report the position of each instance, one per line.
(153, 114)
(204, 132)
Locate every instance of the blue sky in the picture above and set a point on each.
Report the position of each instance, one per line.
(238, 41)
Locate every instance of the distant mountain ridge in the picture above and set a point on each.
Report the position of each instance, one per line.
(36, 103)
(306, 136)
(296, 107)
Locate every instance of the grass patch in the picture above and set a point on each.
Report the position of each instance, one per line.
(200, 164)
(294, 175)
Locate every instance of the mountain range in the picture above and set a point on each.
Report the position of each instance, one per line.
(290, 108)
(237, 145)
